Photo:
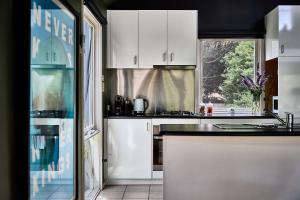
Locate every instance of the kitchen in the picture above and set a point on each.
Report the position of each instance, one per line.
(128, 100)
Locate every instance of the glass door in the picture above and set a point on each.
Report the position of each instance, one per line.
(52, 101)
(92, 105)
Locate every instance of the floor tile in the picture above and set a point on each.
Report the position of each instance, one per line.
(156, 188)
(136, 199)
(115, 188)
(156, 195)
(136, 195)
(138, 188)
(110, 195)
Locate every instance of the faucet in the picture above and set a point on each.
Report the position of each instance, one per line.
(288, 123)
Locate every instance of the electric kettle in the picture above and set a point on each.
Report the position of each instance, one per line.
(140, 105)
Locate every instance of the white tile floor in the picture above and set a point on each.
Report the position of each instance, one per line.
(131, 192)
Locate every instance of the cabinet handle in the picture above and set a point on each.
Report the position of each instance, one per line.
(135, 60)
(172, 57)
(282, 49)
(147, 126)
(47, 56)
(54, 56)
(164, 56)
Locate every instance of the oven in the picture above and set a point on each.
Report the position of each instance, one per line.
(157, 150)
(157, 154)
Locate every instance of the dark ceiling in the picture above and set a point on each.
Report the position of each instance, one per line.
(216, 18)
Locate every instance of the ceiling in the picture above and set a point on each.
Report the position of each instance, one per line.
(216, 18)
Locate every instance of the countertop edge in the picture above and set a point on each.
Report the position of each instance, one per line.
(210, 130)
(194, 117)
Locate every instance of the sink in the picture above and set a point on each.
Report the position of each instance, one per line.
(253, 126)
(236, 126)
(247, 126)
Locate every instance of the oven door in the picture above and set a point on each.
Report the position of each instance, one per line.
(157, 150)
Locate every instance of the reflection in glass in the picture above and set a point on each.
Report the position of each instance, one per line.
(52, 107)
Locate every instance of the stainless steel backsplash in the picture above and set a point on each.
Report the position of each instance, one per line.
(165, 89)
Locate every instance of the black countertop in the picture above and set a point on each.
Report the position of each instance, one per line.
(198, 116)
(211, 130)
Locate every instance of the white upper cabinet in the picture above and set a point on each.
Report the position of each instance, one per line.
(272, 41)
(283, 30)
(123, 39)
(289, 30)
(152, 38)
(182, 37)
(146, 38)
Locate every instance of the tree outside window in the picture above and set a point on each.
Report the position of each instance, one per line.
(223, 61)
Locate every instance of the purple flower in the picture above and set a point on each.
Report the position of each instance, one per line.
(258, 85)
(259, 77)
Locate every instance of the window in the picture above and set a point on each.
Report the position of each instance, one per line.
(92, 73)
(88, 74)
(222, 62)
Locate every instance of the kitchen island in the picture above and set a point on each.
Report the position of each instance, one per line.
(206, 162)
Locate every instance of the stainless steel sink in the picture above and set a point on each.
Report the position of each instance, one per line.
(248, 126)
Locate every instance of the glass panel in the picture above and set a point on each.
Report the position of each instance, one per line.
(52, 108)
(223, 61)
(88, 73)
(92, 164)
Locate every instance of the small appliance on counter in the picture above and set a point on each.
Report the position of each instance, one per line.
(275, 104)
(119, 105)
(128, 107)
(140, 106)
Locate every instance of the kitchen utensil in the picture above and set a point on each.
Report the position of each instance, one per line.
(140, 106)
(128, 107)
(119, 105)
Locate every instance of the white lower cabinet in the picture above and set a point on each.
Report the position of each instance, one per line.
(129, 148)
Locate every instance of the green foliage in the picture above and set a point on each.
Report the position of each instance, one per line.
(237, 62)
(213, 67)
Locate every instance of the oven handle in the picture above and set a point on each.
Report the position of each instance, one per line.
(158, 137)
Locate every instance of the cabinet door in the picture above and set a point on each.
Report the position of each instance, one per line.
(129, 148)
(40, 33)
(271, 40)
(152, 38)
(182, 37)
(63, 33)
(123, 38)
(289, 85)
(289, 30)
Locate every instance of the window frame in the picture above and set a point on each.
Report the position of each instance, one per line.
(259, 59)
(96, 72)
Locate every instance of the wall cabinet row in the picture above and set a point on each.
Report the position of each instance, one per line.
(143, 38)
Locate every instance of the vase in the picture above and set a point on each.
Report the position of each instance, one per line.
(256, 102)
